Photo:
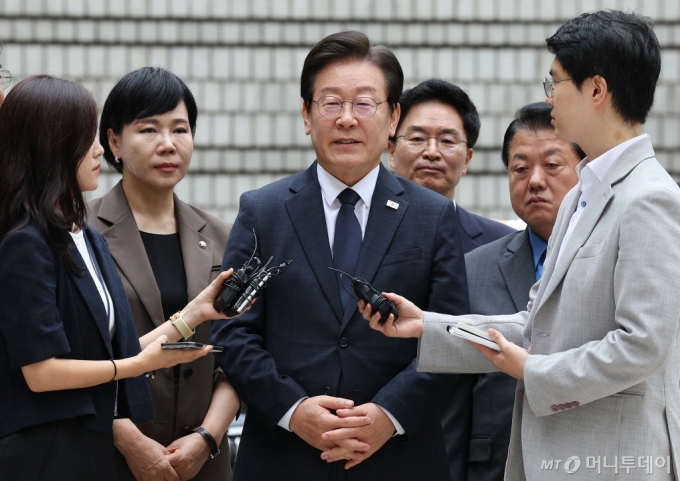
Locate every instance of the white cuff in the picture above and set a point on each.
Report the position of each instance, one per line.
(284, 422)
(397, 426)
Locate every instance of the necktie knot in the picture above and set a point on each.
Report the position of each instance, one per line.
(348, 196)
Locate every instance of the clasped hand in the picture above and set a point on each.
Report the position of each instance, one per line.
(353, 433)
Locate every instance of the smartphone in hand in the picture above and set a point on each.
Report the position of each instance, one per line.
(189, 345)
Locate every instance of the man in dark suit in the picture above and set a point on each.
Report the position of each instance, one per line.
(320, 385)
(541, 170)
(440, 111)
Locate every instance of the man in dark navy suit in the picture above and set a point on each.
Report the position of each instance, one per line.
(433, 147)
(541, 170)
(328, 398)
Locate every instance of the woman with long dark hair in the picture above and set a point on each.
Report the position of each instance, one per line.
(70, 356)
(165, 250)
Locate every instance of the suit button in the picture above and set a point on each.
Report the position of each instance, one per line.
(561, 407)
(567, 405)
(186, 430)
(343, 343)
(554, 408)
(575, 404)
(521, 391)
(188, 373)
(327, 391)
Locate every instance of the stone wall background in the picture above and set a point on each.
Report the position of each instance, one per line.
(242, 60)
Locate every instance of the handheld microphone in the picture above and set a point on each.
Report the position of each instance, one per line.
(240, 290)
(367, 292)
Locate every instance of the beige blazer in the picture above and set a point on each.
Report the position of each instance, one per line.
(111, 215)
(603, 376)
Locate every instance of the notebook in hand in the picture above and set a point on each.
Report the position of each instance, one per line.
(473, 334)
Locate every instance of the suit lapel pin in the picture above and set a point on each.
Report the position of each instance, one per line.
(392, 204)
(202, 244)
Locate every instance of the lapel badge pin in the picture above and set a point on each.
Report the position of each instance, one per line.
(202, 244)
(392, 204)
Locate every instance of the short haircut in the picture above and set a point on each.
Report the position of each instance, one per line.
(48, 126)
(143, 93)
(437, 90)
(351, 45)
(532, 117)
(622, 48)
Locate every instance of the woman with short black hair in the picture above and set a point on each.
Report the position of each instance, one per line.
(165, 250)
(70, 356)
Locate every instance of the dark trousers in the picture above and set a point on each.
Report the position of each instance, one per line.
(57, 451)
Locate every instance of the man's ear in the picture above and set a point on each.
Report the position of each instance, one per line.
(394, 120)
(600, 90)
(468, 158)
(306, 119)
(390, 152)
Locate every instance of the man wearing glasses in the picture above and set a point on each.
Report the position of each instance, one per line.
(5, 79)
(433, 146)
(596, 351)
(325, 393)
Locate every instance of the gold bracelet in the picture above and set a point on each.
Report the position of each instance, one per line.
(184, 330)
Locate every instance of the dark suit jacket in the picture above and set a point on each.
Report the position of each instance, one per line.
(112, 216)
(297, 341)
(48, 312)
(456, 406)
(500, 276)
(476, 230)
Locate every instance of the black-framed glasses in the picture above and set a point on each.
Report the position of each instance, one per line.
(363, 107)
(416, 142)
(549, 86)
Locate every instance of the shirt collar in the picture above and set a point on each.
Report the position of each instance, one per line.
(538, 246)
(601, 165)
(332, 187)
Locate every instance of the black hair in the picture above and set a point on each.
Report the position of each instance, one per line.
(437, 90)
(48, 126)
(533, 117)
(351, 45)
(622, 48)
(143, 93)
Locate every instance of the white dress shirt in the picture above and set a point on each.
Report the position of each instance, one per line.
(79, 240)
(590, 174)
(330, 189)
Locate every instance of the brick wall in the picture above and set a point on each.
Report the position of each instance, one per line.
(242, 60)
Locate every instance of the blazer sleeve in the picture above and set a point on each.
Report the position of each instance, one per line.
(250, 368)
(29, 321)
(411, 395)
(439, 351)
(647, 303)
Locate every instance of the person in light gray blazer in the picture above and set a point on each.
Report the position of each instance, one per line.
(541, 170)
(599, 390)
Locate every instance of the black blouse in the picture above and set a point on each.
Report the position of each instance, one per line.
(165, 256)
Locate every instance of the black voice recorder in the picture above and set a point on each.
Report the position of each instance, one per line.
(239, 291)
(367, 292)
